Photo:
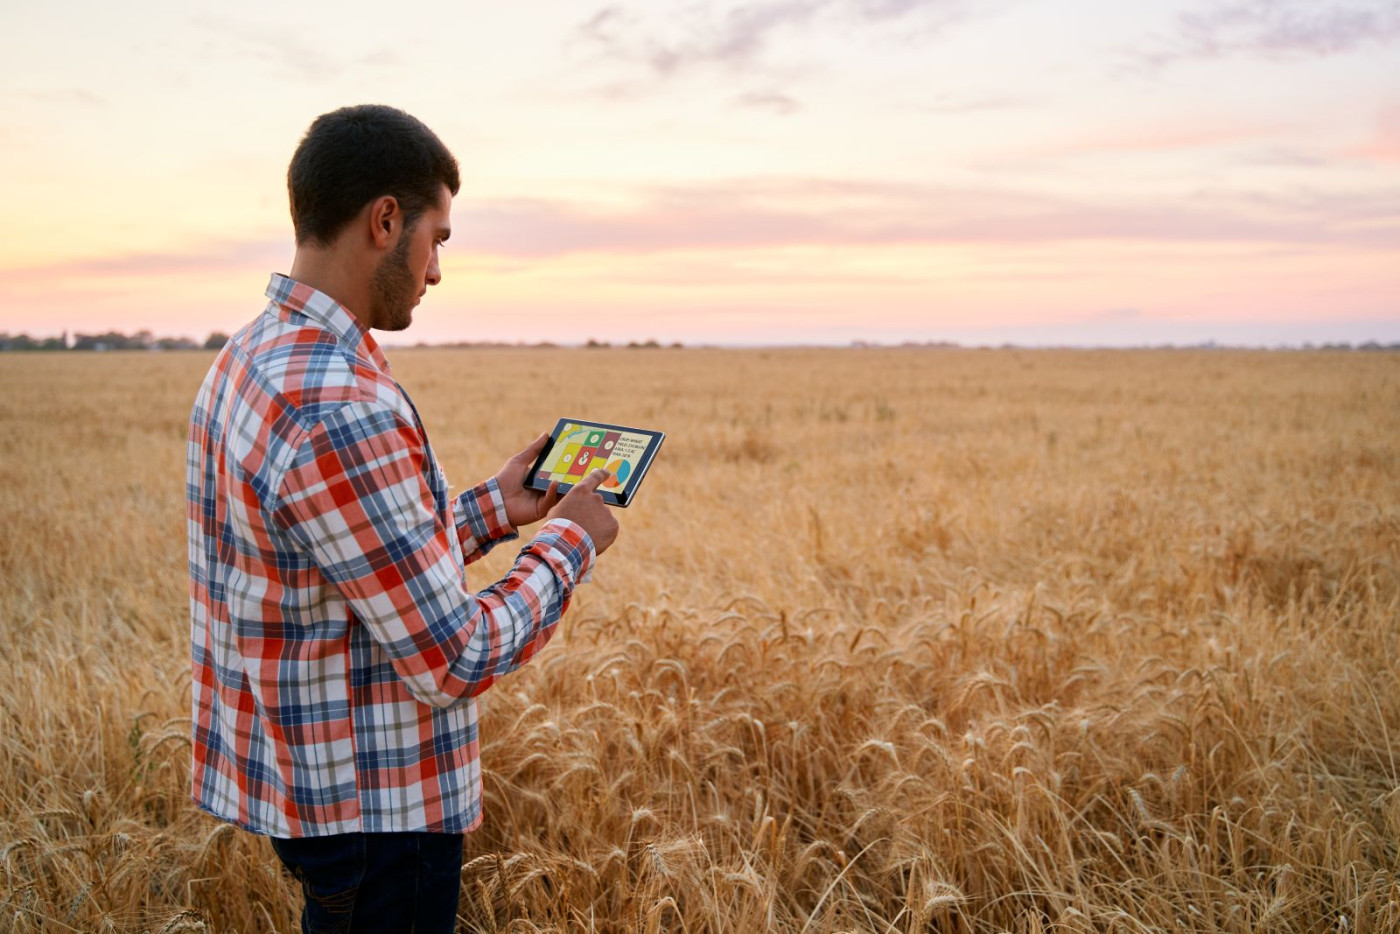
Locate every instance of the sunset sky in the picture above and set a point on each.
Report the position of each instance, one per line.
(1060, 171)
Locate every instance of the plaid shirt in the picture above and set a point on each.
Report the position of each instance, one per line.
(336, 648)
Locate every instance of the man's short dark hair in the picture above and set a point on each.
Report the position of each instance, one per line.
(353, 155)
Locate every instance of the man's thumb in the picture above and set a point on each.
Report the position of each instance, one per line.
(528, 455)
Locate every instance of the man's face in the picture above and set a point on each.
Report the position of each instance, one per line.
(403, 276)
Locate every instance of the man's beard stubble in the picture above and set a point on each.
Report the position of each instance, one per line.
(392, 289)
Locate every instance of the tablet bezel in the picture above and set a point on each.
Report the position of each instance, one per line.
(633, 483)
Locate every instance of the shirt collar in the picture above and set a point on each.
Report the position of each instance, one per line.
(299, 298)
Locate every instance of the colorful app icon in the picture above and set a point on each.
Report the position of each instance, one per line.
(583, 460)
(566, 458)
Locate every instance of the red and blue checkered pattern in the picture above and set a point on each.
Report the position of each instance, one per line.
(336, 647)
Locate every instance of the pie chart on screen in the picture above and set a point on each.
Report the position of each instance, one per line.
(620, 470)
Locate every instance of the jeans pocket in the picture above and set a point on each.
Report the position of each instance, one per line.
(330, 870)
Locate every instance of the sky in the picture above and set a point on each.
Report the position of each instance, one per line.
(769, 172)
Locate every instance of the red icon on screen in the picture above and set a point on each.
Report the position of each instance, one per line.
(582, 460)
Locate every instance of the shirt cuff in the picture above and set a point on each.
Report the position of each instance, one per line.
(482, 515)
(567, 549)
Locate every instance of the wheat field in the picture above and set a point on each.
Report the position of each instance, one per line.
(893, 640)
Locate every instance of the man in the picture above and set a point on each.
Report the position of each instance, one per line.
(336, 648)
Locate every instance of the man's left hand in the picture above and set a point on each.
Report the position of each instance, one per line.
(524, 506)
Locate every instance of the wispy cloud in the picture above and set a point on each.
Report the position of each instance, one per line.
(287, 52)
(765, 214)
(1161, 137)
(1384, 145)
(737, 40)
(770, 101)
(732, 40)
(1282, 157)
(1278, 29)
(207, 259)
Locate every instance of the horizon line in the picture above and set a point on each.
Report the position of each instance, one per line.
(1367, 345)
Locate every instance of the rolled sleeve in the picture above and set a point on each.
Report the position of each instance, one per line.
(479, 515)
(566, 548)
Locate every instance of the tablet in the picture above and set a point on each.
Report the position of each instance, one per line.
(577, 447)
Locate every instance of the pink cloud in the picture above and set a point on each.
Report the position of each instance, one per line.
(762, 214)
(201, 259)
(1156, 139)
(1384, 146)
(1279, 29)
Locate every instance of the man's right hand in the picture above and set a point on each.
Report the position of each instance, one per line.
(584, 504)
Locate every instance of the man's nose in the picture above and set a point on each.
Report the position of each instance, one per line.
(434, 271)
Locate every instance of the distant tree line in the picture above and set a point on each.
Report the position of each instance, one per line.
(111, 340)
(145, 340)
(651, 344)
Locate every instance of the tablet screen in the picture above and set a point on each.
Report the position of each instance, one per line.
(579, 447)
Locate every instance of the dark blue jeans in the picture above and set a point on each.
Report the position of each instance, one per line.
(376, 881)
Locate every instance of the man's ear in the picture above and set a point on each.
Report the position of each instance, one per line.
(385, 220)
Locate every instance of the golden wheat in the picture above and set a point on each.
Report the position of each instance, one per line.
(893, 640)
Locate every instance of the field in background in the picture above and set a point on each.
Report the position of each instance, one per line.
(892, 640)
